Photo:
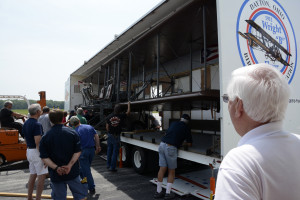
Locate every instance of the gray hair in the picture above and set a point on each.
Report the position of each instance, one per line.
(34, 108)
(74, 121)
(263, 90)
(79, 111)
(7, 103)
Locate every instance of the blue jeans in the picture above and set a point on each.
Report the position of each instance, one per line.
(167, 156)
(113, 145)
(85, 160)
(59, 189)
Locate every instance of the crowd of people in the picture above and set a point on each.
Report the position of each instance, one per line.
(257, 98)
(59, 147)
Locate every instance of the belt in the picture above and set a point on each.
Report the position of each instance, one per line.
(168, 144)
(31, 147)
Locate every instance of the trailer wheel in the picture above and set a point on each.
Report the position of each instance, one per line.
(139, 160)
(126, 156)
(2, 159)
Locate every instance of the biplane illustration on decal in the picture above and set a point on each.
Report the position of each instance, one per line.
(264, 42)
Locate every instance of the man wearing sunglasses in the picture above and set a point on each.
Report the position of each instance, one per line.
(265, 164)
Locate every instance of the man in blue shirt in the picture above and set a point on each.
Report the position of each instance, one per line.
(60, 149)
(168, 148)
(33, 131)
(89, 140)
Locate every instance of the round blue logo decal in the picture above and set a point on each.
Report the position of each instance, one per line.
(265, 33)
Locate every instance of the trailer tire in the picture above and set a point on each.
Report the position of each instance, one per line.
(2, 159)
(126, 155)
(139, 160)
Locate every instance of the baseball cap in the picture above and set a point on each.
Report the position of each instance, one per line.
(186, 117)
(74, 120)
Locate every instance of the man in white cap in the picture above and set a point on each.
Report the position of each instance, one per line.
(168, 148)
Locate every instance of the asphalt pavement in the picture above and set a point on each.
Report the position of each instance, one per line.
(125, 184)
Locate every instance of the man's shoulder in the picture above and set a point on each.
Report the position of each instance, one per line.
(5, 111)
(80, 116)
(181, 125)
(64, 131)
(68, 130)
(42, 117)
(36, 123)
(241, 158)
(84, 127)
(30, 122)
(175, 123)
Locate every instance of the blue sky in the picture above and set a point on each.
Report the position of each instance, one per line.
(42, 42)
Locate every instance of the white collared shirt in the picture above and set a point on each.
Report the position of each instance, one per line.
(265, 165)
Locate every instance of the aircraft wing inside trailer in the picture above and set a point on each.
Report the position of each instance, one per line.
(203, 100)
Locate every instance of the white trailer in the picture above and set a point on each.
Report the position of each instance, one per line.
(73, 94)
(167, 47)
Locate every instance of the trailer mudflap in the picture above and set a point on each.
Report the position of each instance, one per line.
(193, 183)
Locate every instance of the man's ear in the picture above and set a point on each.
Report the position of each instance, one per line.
(239, 108)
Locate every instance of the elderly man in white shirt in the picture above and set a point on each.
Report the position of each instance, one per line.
(266, 163)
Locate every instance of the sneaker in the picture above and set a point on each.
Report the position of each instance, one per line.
(159, 195)
(169, 196)
(93, 191)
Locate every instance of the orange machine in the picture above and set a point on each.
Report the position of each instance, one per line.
(11, 149)
(42, 100)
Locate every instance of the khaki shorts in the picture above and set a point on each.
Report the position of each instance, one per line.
(36, 165)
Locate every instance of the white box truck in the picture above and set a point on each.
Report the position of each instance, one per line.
(178, 59)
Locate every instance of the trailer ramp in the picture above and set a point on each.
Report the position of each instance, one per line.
(193, 183)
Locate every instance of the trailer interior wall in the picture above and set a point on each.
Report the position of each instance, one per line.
(231, 17)
(180, 69)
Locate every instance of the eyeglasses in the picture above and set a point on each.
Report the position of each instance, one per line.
(225, 98)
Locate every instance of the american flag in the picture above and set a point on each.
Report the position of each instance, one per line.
(212, 53)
